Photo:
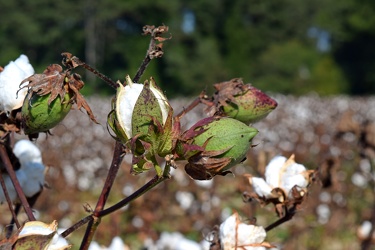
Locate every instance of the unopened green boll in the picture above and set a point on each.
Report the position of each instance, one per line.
(213, 145)
(227, 133)
(251, 106)
(39, 116)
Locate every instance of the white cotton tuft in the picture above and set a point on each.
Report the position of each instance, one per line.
(234, 233)
(31, 164)
(26, 151)
(10, 79)
(273, 169)
(30, 175)
(117, 244)
(261, 187)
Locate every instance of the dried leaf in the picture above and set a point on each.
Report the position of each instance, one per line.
(81, 103)
(51, 81)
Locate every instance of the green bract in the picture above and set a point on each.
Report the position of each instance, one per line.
(38, 116)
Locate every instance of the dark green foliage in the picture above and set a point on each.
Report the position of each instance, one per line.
(266, 42)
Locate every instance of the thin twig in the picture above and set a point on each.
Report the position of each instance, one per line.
(146, 61)
(148, 186)
(72, 62)
(105, 78)
(76, 226)
(192, 105)
(8, 165)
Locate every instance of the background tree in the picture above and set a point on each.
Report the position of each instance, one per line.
(288, 46)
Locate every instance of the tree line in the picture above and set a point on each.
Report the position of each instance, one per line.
(286, 46)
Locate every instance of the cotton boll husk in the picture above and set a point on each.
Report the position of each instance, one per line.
(10, 78)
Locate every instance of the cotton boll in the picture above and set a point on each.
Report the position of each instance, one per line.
(289, 182)
(233, 232)
(272, 170)
(260, 187)
(31, 165)
(95, 246)
(26, 151)
(176, 241)
(117, 244)
(294, 169)
(58, 243)
(10, 78)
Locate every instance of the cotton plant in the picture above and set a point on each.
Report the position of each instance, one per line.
(144, 124)
(286, 183)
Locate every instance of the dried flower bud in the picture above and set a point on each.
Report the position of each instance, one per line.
(214, 145)
(242, 102)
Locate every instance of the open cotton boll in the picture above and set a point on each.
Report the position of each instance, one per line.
(10, 78)
(273, 168)
(34, 232)
(126, 103)
(234, 233)
(26, 151)
(117, 244)
(261, 187)
(30, 158)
